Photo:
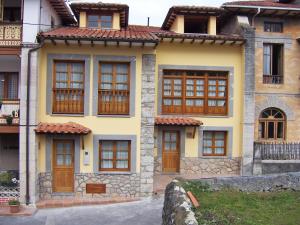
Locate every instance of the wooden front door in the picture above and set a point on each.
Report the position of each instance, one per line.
(171, 151)
(63, 166)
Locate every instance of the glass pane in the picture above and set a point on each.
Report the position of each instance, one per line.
(59, 160)
(267, 59)
(61, 67)
(106, 68)
(121, 78)
(173, 137)
(200, 93)
(200, 82)
(177, 102)
(212, 94)
(222, 82)
(220, 135)
(212, 88)
(173, 146)
(208, 135)
(199, 103)
(68, 160)
(167, 137)
(93, 21)
(106, 164)
(221, 103)
(122, 155)
(219, 151)
(207, 143)
(77, 67)
(189, 102)
(167, 102)
(106, 86)
(107, 145)
(107, 155)
(121, 87)
(189, 93)
(270, 129)
(122, 164)
(59, 148)
(122, 69)
(212, 103)
(106, 78)
(122, 145)
(262, 130)
(212, 82)
(13, 86)
(167, 146)
(78, 77)
(280, 130)
(177, 93)
(219, 143)
(207, 150)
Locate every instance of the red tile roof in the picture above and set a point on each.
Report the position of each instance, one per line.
(262, 4)
(61, 128)
(133, 33)
(76, 33)
(177, 121)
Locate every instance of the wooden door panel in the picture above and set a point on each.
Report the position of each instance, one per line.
(63, 166)
(171, 151)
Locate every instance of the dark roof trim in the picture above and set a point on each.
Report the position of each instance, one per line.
(63, 10)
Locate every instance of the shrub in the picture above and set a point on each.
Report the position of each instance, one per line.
(14, 202)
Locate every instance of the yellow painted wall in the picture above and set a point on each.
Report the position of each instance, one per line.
(212, 25)
(178, 24)
(116, 21)
(209, 55)
(98, 125)
(82, 19)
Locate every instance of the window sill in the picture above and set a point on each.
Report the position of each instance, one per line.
(67, 115)
(114, 173)
(114, 116)
(215, 157)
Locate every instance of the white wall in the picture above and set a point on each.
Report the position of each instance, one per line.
(37, 12)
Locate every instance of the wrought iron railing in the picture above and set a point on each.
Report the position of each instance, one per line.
(276, 151)
(273, 79)
(10, 34)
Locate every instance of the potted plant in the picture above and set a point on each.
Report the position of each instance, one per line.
(14, 205)
(9, 119)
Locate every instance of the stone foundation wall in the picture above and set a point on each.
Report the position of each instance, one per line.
(276, 182)
(117, 185)
(204, 166)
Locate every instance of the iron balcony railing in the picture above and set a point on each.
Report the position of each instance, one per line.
(276, 151)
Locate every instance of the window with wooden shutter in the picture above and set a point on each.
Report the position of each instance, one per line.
(113, 89)
(195, 92)
(68, 87)
(9, 86)
(114, 155)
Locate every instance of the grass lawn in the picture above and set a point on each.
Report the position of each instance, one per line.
(228, 207)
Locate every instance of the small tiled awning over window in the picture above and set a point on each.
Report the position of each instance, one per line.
(177, 121)
(61, 128)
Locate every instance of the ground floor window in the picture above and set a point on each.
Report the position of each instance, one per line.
(214, 143)
(114, 155)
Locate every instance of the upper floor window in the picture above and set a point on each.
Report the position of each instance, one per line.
(214, 143)
(273, 64)
(9, 86)
(10, 11)
(272, 123)
(195, 24)
(273, 27)
(100, 21)
(195, 92)
(113, 89)
(114, 155)
(68, 87)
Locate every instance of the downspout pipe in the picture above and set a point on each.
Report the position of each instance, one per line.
(253, 18)
(27, 196)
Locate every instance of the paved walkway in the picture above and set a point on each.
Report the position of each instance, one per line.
(145, 212)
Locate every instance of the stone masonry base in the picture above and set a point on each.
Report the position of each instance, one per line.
(117, 185)
(205, 166)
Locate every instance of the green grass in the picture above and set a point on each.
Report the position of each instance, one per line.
(228, 207)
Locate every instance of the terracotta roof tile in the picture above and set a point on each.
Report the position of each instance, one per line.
(75, 33)
(177, 121)
(262, 4)
(61, 128)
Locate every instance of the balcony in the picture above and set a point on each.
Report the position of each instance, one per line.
(9, 116)
(10, 34)
(277, 151)
(273, 79)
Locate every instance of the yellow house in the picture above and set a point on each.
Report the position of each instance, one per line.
(120, 106)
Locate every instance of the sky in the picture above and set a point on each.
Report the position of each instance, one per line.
(157, 10)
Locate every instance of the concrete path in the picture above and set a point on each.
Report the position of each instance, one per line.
(145, 212)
